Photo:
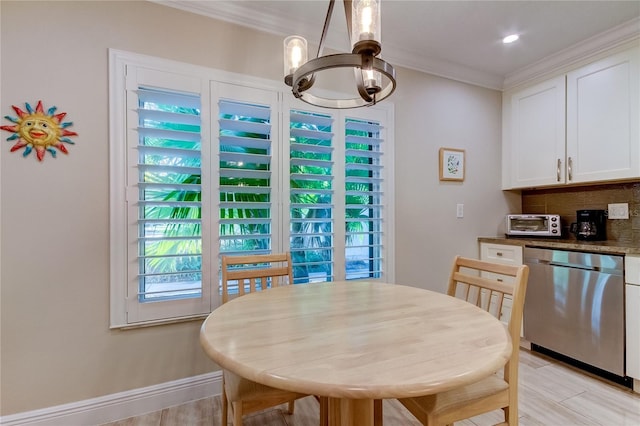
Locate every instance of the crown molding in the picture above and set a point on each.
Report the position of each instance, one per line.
(610, 39)
(236, 13)
(441, 68)
(233, 12)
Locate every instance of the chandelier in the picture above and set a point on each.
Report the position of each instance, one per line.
(363, 27)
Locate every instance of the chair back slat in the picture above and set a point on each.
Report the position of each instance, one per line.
(495, 284)
(257, 271)
(499, 299)
(262, 273)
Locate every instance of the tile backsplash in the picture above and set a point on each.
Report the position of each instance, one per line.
(565, 202)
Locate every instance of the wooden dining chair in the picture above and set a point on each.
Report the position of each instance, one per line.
(242, 275)
(485, 285)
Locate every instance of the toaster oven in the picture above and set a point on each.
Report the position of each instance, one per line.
(534, 225)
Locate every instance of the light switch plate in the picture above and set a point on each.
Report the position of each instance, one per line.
(619, 211)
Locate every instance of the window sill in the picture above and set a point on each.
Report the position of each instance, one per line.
(167, 321)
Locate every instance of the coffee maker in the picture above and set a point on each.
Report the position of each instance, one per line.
(591, 225)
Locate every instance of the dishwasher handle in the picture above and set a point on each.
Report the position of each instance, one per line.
(572, 265)
(560, 264)
(611, 264)
(589, 268)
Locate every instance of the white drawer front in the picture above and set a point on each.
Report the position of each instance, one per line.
(501, 253)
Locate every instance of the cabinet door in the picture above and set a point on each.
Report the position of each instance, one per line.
(537, 135)
(633, 330)
(603, 141)
(632, 312)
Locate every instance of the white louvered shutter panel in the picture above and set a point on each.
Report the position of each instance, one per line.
(246, 170)
(311, 194)
(165, 228)
(363, 186)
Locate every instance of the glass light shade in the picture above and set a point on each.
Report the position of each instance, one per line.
(372, 81)
(295, 53)
(365, 25)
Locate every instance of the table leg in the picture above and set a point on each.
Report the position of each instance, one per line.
(324, 410)
(377, 412)
(350, 412)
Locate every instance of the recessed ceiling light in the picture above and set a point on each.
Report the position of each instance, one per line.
(510, 38)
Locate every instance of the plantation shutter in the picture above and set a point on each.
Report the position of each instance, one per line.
(169, 203)
(199, 155)
(245, 173)
(363, 185)
(164, 196)
(311, 196)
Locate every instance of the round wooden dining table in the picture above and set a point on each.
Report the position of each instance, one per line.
(355, 342)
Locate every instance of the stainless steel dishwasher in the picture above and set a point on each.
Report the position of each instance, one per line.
(575, 306)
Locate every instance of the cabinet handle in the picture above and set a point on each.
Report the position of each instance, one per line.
(499, 254)
(558, 170)
(570, 168)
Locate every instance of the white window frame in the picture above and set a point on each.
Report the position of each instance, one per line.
(125, 309)
(166, 312)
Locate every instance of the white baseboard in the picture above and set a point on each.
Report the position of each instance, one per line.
(121, 405)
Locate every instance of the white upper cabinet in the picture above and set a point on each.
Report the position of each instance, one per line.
(579, 127)
(603, 141)
(538, 134)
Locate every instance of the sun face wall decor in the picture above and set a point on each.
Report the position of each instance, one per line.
(35, 129)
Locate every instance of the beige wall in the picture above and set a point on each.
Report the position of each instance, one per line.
(431, 113)
(56, 346)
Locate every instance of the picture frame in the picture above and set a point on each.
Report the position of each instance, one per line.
(451, 164)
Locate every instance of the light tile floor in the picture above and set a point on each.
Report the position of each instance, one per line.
(550, 393)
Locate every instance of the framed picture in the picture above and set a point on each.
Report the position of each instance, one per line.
(451, 164)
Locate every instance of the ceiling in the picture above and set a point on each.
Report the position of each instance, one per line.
(455, 39)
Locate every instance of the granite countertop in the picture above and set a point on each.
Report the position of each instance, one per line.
(608, 246)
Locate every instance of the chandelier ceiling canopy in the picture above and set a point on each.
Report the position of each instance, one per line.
(375, 79)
